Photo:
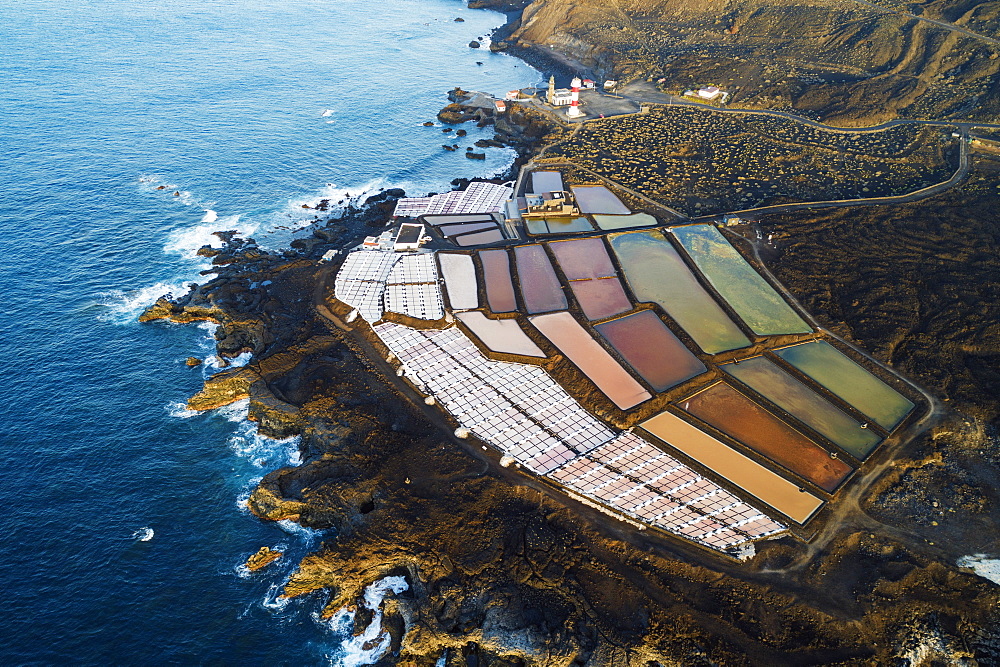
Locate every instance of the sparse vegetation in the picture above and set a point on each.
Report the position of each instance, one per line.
(701, 162)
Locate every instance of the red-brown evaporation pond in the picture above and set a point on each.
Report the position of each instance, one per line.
(582, 259)
(565, 333)
(499, 288)
(739, 417)
(788, 498)
(592, 276)
(652, 349)
(540, 287)
(600, 298)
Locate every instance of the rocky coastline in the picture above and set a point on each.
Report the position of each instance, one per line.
(502, 572)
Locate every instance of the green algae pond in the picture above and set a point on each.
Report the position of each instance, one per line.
(612, 222)
(656, 273)
(794, 397)
(841, 376)
(745, 290)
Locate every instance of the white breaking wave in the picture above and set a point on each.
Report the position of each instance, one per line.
(180, 410)
(186, 241)
(987, 567)
(125, 306)
(299, 530)
(210, 216)
(143, 534)
(370, 645)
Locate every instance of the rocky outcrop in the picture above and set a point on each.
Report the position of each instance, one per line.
(224, 388)
(264, 557)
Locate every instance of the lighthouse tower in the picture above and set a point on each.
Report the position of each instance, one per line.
(574, 105)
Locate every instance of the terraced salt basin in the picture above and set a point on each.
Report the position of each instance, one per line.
(504, 336)
(452, 230)
(841, 376)
(538, 226)
(565, 333)
(793, 396)
(460, 282)
(499, 287)
(745, 290)
(764, 484)
(611, 222)
(751, 424)
(546, 181)
(656, 273)
(437, 219)
(598, 199)
(478, 238)
(601, 297)
(541, 290)
(583, 259)
(651, 349)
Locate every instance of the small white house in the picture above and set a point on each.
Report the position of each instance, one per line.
(710, 93)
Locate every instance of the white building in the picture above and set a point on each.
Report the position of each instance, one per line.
(409, 237)
(712, 93)
(562, 97)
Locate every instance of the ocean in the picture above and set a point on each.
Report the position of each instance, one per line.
(131, 131)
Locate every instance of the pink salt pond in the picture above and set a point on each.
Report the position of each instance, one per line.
(592, 359)
(496, 274)
(652, 349)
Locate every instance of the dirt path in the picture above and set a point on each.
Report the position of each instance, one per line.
(935, 22)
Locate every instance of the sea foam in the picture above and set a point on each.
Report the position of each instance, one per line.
(368, 647)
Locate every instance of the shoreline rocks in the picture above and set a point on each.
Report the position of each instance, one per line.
(264, 557)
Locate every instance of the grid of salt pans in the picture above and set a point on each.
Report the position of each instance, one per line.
(361, 281)
(639, 480)
(477, 198)
(411, 207)
(412, 288)
(416, 268)
(502, 403)
(420, 301)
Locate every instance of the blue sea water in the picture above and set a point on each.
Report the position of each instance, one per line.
(225, 103)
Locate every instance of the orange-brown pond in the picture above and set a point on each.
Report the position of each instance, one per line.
(749, 423)
(771, 488)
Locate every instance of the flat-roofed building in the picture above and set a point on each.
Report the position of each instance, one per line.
(409, 237)
(550, 204)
